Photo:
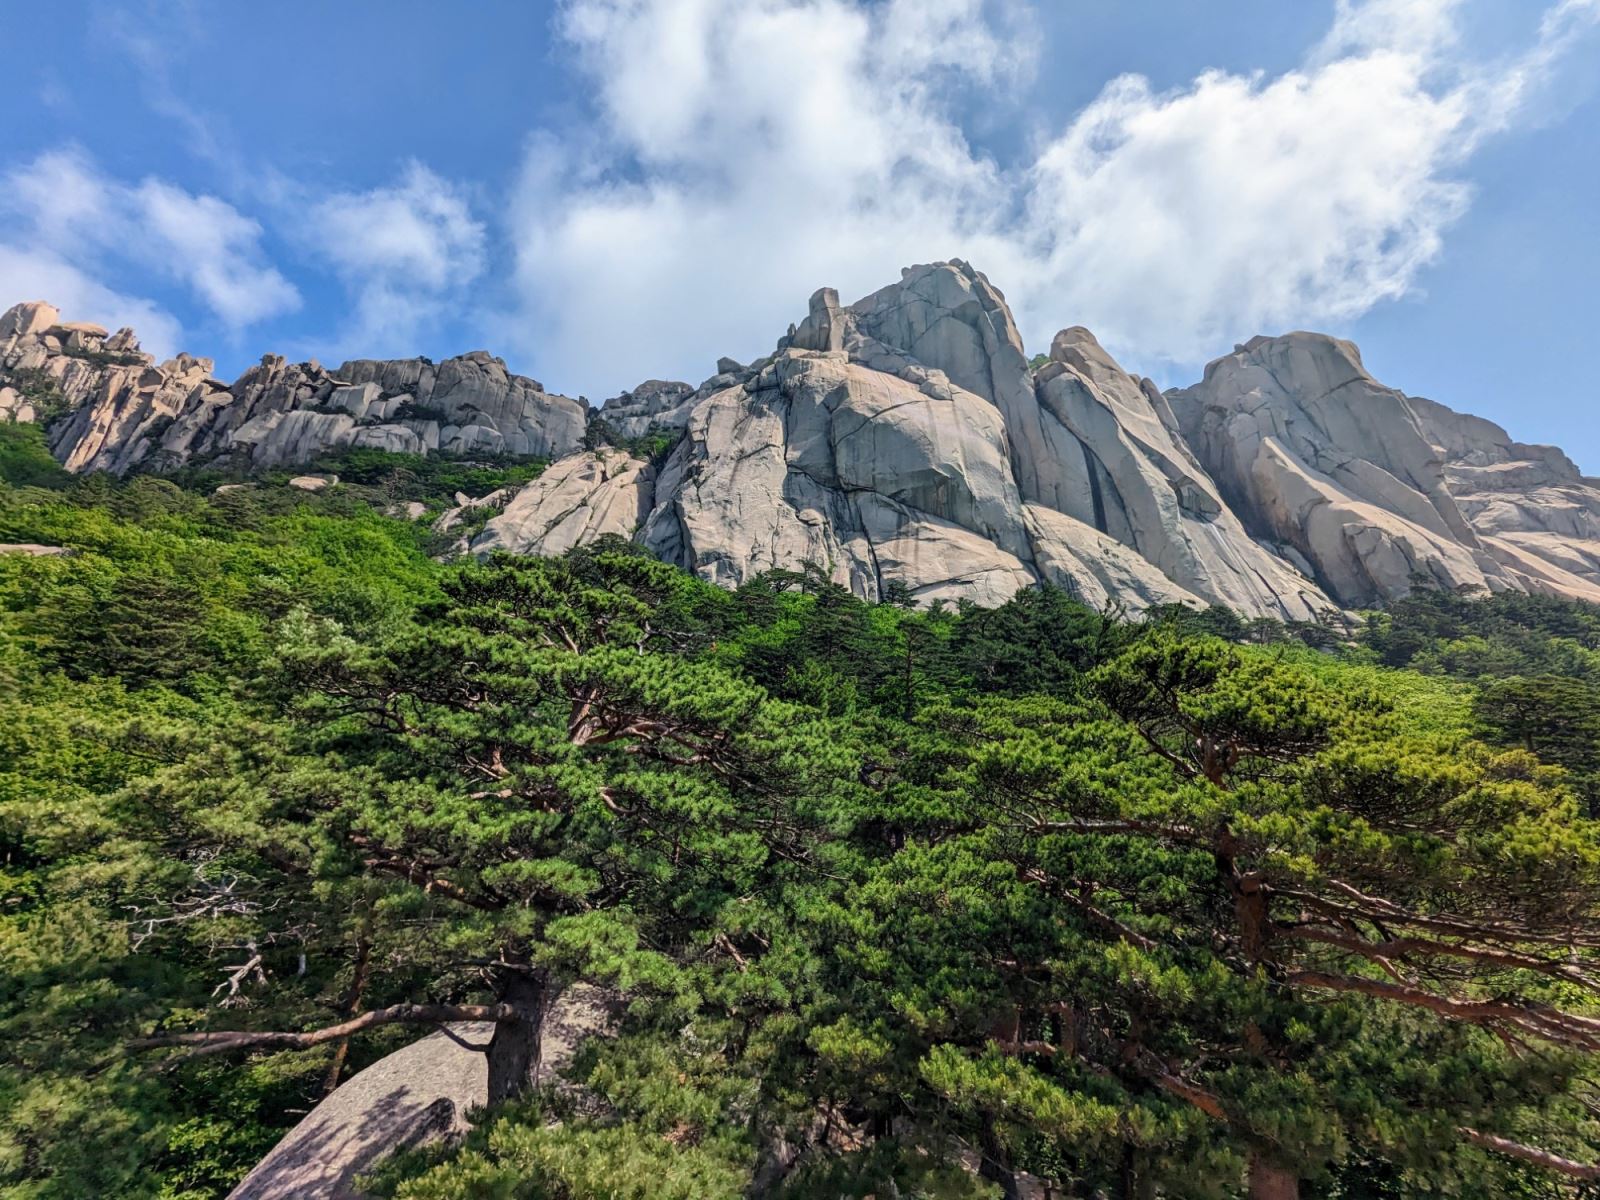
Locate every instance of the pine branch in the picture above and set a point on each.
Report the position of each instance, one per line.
(1532, 1154)
(1538, 1021)
(1401, 947)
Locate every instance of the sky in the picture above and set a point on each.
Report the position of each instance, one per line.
(605, 191)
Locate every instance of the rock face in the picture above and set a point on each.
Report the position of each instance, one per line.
(654, 404)
(905, 441)
(411, 1097)
(578, 499)
(126, 412)
(1375, 489)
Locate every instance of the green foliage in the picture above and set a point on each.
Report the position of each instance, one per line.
(432, 478)
(896, 901)
(653, 445)
(25, 458)
(1469, 635)
(411, 410)
(1534, 662)
(116, 661)
(106, 358)
(520, 1161)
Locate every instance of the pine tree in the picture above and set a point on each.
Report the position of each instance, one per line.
(1243, 901)
(540, 791)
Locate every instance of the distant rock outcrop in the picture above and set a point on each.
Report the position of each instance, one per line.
(125, 412)
(905, 441)
(578, 499)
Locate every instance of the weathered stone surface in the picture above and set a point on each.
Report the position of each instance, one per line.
(654, 404)
(904, 440)
(13, 407)
(34, 549)
(23, 320)
(415, 1095)
(578, 499)
(1377, 489)
(912, 416)
(1095, 568)
(820, 459)
(1112, 458)
(129, 413)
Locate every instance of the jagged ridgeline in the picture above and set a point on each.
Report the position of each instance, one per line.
(906, 443)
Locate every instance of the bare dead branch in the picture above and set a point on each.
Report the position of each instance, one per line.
(220, 1041)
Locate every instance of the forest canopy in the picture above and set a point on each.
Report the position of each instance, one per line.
(893, 900)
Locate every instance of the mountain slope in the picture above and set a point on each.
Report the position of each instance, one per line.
(905, 441)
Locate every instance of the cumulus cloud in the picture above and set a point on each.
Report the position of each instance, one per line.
(30, 274)
(404, 252)
(744, 152)
(1178, 223)
(1419, 27)
(74, 226)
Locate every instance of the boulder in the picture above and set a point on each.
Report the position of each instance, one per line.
(29, 319)
(578, 499)
(420, 1094)
(34, 549)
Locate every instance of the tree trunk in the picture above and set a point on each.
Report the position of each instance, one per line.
(775, 1158)
(1132, 1182)
(352, 1006)
(1269, 1181)
(514, 1048)
(994, 1165)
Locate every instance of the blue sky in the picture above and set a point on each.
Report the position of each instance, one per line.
(604, 191)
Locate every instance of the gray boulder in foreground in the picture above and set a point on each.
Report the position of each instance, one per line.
(413, 1096)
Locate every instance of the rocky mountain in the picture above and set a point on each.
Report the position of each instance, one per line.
(124, 412)
(906, 439)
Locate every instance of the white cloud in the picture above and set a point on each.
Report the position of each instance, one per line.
(1419, 27)
(744, 152)
(799, 143)
(1181, 223)
(65, 211)
(1525, 87)
(40, 275)
(215, 250)
(405, 253)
